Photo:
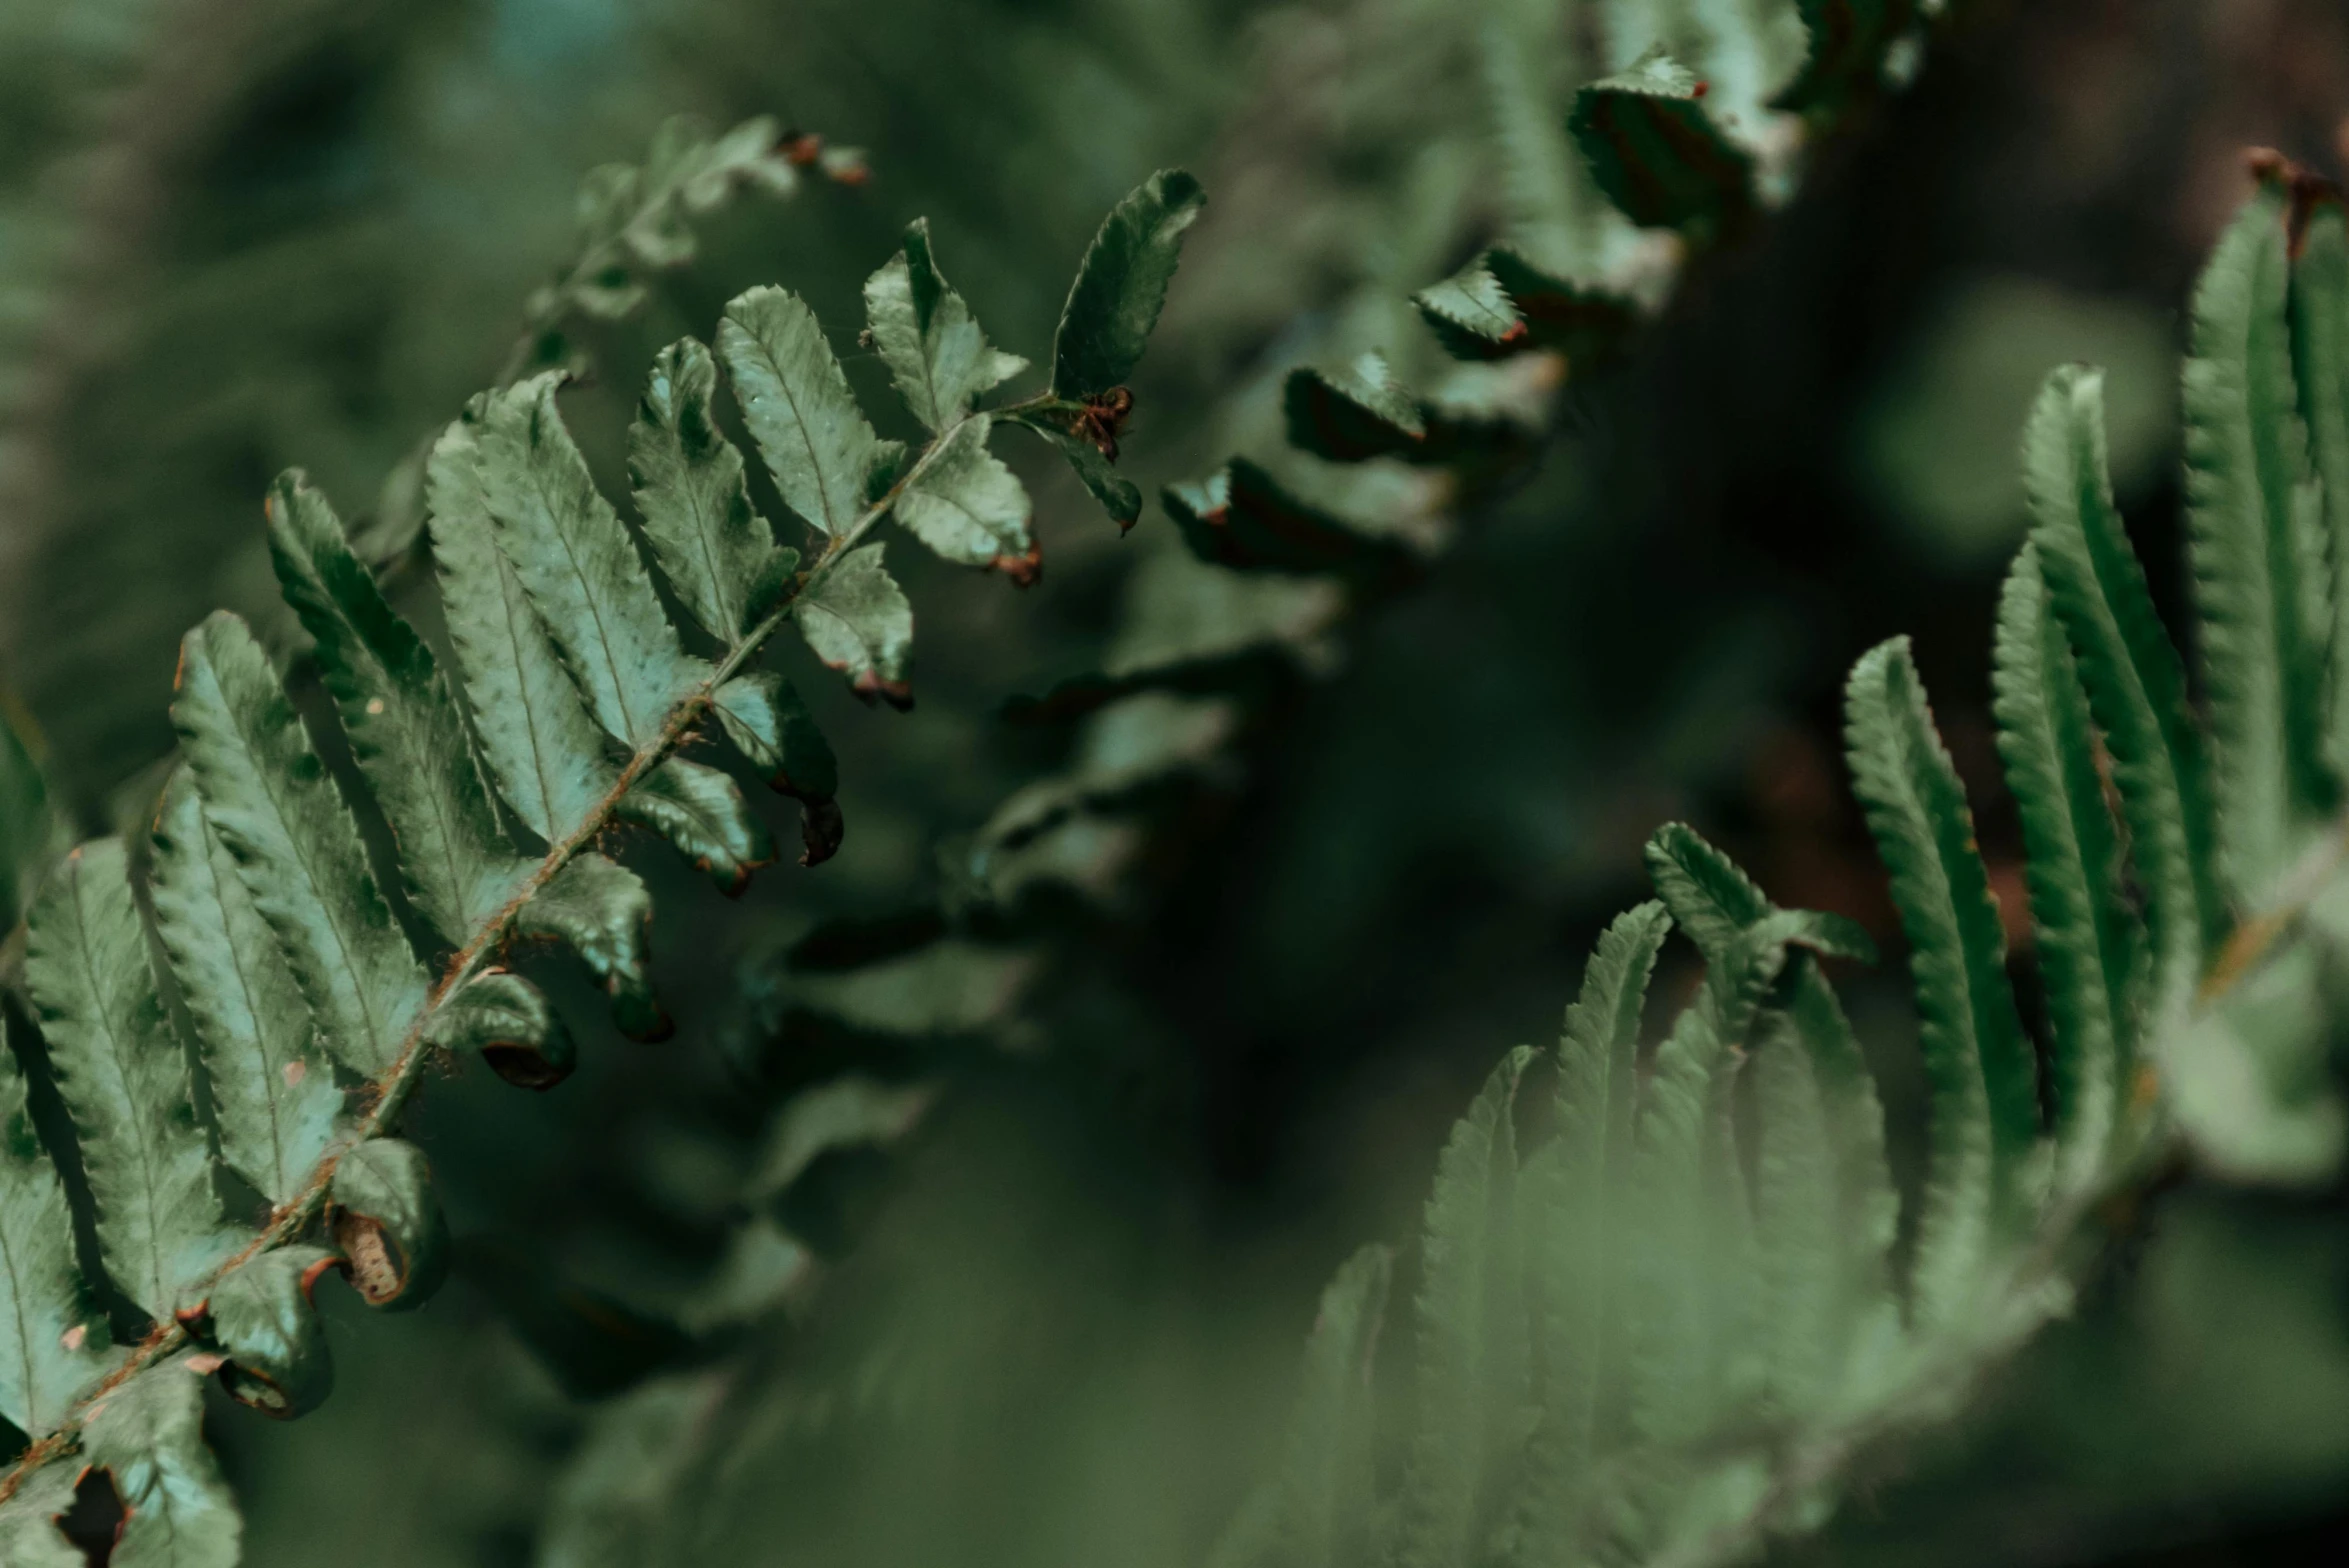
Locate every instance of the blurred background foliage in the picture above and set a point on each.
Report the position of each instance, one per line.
(1049, 1314)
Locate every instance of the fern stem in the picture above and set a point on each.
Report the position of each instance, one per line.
(391, 1092)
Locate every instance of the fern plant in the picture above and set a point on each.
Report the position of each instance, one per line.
(1359, 488)
(1666, 1295)
(317, 994)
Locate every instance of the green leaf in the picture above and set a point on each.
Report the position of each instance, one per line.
(1849, 43)
(601, 910)
(2246, 460)
(576, 563)
(2089, 955)
(615, 1500)
(1120, 497)
(1984, 1105)
(124, 1078)
(1802, 1320)
(509, 1021)
(688, 482)
(1868, 1205)
(31, 834)
(403, 725)
(1659, 156)
(1710, 898)
(148, 1434)
(388, 1224)
(2320, 361)
(963, 503)
(1323, 1509)
(1587, 325)
(1669, 1396)
(295, 845)
(689, 169)
(550, 760)
(796, 403)
(701, 812)
(935, 351)
(1575, 1227)
(1721, 908)
(29, 1537)
(1243, 518)
(1474, 1380)
(1354, 414)
(263, 1317)
(763, 715)
(53, 1340)
(857, 620)
(2136, 681)
(769, 723)
(274, 1098)
(1472, 314)
(848, 1112)
(1121, 285)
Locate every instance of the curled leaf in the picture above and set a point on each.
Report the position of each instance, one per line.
(507, 1020)
(387, 1221)
(263, 1316)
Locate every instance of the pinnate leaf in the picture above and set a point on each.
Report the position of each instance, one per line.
(177, 1510)
(1121, 285)
(2136, 681)
(1657, 153)
(601, 909)
(541, 742)
(797, 405)
(964, 504)
(1354, 414)
(295, 845)
(1474, 1378)
(859, 622)
(701, 811)
(1984, 1099)
(2246, 464)
(148, 1434)
(935, 351)
(576, 563)
(396, 708)
(2089, 955)
(2320, 360)
(687, 476)
(29, 1537)
(1324, 1508)
(763, 714)
(124, 1079)
(1472, 314)
(52, 1339)
(510, 1022)
(1119, 496)
(273, 1097)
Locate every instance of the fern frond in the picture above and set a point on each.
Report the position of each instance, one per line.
(1764, 1344)
(53, 1341)
(274, 1098)
(1981, 1189)
(1474, 1383)
(580, 693)
(2087, 942)
(2246, 469)
(2135, 679)
(125, 1082)
(2320, 364)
